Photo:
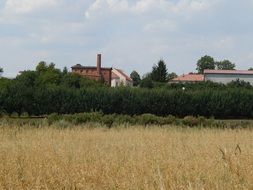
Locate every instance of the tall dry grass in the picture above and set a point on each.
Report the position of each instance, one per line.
(134, 158)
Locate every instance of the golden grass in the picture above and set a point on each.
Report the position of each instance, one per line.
(134, 158)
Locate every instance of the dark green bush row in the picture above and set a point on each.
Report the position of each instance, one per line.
(229, 103)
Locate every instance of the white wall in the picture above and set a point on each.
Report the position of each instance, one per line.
(121, 81)
(226, 78)
(115, 82)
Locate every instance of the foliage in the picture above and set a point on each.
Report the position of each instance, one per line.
(190, 121)
(171, 76)
(206, 62)
(159, 72)
(47, 90)
(136, 78)
(225, 65)
(147, 82)
(114, 120)
(239, 84)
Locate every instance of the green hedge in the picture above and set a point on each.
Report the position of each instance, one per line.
(218, 103)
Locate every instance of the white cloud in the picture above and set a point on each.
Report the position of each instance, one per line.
(145, 6)
(161, 25)
(116, 6)
(26, 6)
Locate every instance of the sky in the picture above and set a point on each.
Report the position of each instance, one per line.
(130, 34)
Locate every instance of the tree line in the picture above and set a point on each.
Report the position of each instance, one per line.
(48, 90)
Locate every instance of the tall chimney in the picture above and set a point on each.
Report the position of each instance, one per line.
(99, 64)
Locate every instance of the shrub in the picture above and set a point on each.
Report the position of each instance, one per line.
(108, 120)
(190, 121)
(54, 117)
(24, 114)
(14, 114)
(169, 120)
(124, 119)
(147, 119)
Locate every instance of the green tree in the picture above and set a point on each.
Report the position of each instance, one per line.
(65, 71)
(27, 78)
(48, 74)
(41, 67)
(1, 71)
(146, 81)
(159, 72)
(225, 65)
(171, 76)
(206, 62)
(251, 69)
(136, 78)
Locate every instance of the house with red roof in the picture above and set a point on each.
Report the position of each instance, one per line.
(226, 76)
(188, 78)
(119, 78)
(94, 73)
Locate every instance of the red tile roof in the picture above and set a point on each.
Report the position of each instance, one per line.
(189, 78)
(235, 72)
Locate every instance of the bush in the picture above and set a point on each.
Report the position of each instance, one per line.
(54, 117)
(168, 120)
(147, 119)
(191, 121)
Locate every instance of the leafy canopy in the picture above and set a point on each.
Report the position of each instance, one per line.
(225, 65)
(206, 62)
(136, 78)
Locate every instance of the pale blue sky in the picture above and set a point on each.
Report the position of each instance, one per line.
(130, 34)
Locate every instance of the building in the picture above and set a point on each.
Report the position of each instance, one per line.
(119, 78)
(95, 73)
(226, 76)
(188, 78)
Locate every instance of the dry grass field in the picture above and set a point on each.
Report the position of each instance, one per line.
(133, 158)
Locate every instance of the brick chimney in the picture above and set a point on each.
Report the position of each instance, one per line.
(99, 64)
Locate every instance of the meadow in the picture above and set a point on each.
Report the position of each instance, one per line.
(137, 157)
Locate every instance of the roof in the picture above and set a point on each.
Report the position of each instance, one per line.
(233, 72)
(78, 66)
(125, 75)
(114, 76)
(190, 78)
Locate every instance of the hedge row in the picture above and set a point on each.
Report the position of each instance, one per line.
(229, 103)
(114, 120)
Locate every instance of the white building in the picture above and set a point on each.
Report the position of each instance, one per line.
(227, 76)
(119, 78)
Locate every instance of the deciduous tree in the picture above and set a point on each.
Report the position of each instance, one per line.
(171, 76)
(1, 71)
(136, 78)
(225, 65)
(206, 62)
